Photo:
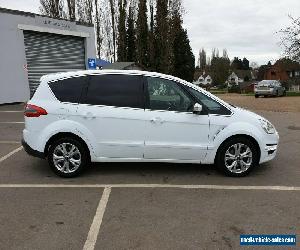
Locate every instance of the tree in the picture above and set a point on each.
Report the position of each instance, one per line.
(237, 63)
(181, 55)
(52, 8)
(71, 9)
(290, 39)
(98, 29)
(113, 19)
(142, 35)
(121, 51)
(130, 37)
(254, 65)
(151, 39)
(246, 64)
(202, 59)
(219, 68)
(161, 33)
(85, 11)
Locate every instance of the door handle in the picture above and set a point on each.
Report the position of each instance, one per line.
(89, 115)
(157, 120)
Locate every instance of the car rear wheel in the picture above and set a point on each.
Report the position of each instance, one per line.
(67, 157)
(256, 96)
(237, 157)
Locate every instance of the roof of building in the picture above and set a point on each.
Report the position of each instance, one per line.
(30, 14)
(118, 65)
(243, 73)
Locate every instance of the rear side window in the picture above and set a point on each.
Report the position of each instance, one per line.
(68, 90)
(115, 90)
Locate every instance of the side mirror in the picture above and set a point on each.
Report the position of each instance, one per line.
(197, 108)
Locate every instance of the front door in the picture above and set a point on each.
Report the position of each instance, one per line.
(173, 132)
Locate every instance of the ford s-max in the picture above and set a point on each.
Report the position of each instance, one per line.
(75, 118)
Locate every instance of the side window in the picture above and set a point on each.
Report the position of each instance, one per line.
(212, 106)
(115, 90)
(68, 90)
(168, 95)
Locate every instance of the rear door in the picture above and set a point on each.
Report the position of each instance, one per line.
(113, 111)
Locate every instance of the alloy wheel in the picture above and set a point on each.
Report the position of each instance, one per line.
(66, 158)
(238, 158)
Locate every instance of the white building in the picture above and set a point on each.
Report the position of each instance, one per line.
(204, 80)
(33, 45)
(239, 76)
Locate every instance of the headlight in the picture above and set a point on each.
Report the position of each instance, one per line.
(267, 126)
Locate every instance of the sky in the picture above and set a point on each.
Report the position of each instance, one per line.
(246, 28)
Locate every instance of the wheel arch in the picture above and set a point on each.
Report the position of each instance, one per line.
(249, 137)
(60, 135)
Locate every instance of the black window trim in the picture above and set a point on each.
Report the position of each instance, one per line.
(84, 96)
(66, 78)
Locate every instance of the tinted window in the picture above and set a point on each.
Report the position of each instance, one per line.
(68, 90)
(168, 95)
(212, 106)
(115, 90)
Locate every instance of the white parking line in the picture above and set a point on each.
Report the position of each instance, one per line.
(10, 154)
(96, 224)
(10, 142)
(12, 122)
(216, 187)
(11, 111)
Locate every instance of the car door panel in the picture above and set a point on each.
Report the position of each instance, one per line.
(173, 133)
(119, 132)
(176, 136)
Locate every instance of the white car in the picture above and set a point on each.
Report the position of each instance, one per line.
(133, 116)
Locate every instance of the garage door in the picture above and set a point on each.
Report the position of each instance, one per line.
(48, 53)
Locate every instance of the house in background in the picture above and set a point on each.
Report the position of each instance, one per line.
(204, 80)
(284, 70)
(239, 76)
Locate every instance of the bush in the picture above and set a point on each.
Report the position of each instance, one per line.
(234, 89)
(292, 93)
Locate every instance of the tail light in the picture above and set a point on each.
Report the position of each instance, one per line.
(34, 111)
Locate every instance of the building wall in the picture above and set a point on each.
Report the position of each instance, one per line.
(14, 86)
(276, 73)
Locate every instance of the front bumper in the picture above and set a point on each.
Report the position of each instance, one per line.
(31, 151)
(268, 153)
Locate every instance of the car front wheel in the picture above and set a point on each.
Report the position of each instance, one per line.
(67, 157)
(237, 157)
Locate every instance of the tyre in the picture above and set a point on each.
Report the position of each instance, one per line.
(284, 93)
(68, 157)
(237, 157)
(256, 96)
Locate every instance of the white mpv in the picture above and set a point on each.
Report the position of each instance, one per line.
(133, 116)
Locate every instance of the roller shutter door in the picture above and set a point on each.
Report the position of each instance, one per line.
(48, 53)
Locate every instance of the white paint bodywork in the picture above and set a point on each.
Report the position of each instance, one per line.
(118, 134)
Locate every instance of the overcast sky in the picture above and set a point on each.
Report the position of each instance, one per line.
(244, 27)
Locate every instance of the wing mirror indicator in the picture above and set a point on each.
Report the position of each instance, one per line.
(197, 108)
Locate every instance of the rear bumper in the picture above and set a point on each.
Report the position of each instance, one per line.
(265, 92)
(31, 151)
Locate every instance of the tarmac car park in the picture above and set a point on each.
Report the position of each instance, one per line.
(146, 205)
